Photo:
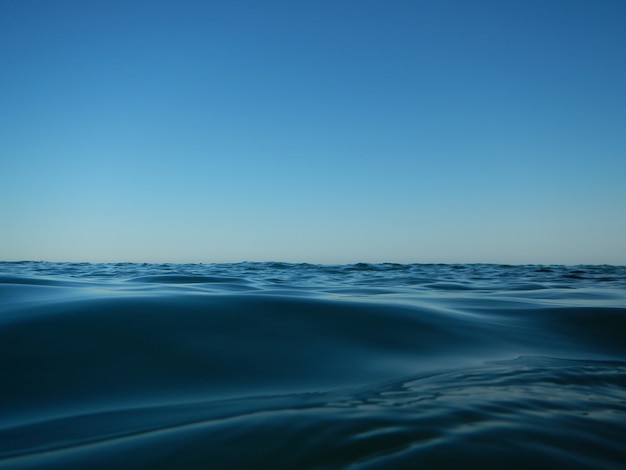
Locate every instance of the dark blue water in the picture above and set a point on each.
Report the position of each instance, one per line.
(270, 365)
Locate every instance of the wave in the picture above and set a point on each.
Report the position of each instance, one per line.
(304, 366)
(503, 412)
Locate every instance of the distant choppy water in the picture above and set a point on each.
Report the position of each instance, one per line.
(270, 365)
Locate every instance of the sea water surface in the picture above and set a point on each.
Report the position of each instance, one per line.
(299, 366)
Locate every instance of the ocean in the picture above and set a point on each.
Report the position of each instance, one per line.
(301, 366)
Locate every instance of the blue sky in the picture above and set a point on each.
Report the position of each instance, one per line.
(322, 131)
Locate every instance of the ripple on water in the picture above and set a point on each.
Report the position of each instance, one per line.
(276, 365)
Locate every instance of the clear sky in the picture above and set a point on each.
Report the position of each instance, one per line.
(323, 131)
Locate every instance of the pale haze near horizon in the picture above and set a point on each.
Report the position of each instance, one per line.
(323, 132)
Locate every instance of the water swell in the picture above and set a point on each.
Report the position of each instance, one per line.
(302, 366)
(219, 344)
(506, 411)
